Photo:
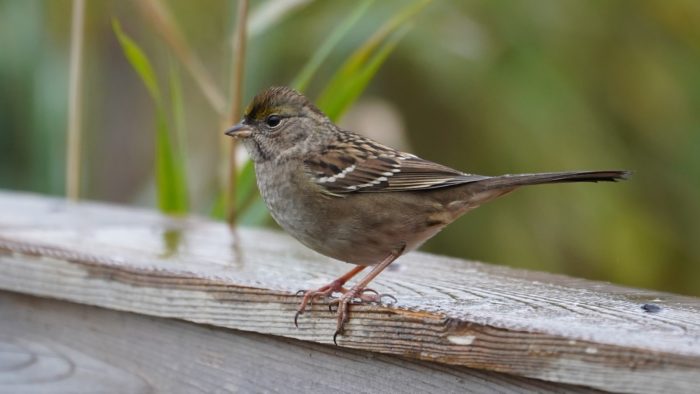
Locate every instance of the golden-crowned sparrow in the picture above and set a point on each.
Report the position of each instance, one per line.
(356, 200)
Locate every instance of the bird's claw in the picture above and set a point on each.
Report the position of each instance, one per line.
(375, 297)
(393, 299)
(335, 336)
(368, 290)
(296, 316)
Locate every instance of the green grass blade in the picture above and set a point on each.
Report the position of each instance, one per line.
(302, 80)
(170, 175)
(171, 184)
(180, 124)
(355, 84)
(345, 85)
(175, 170)
(177, 107)
(139, 61)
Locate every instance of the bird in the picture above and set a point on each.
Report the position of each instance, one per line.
(356, 200)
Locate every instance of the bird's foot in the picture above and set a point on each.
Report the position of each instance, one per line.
(311, 295)
(359, 291)
(354, 296)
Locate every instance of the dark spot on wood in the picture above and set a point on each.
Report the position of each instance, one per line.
(651, 308)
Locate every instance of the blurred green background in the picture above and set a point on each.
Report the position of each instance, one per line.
(486, 86)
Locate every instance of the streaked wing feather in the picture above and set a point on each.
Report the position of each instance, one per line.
(357, 164)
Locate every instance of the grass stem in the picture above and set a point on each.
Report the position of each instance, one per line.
(238, 65)
(73, 146)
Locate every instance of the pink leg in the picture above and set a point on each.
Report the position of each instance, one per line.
(357, 291)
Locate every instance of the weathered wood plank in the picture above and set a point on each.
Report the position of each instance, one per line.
(450, 311)
(54, 346)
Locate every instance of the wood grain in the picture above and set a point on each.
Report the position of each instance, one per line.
(54, 346)
(450, 311)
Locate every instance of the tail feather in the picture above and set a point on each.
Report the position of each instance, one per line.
(512, 181)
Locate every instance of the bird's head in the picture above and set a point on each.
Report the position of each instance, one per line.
(277, 123)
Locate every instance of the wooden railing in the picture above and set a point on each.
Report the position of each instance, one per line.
(209, 312)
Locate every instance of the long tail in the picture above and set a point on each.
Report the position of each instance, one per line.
(513, 181)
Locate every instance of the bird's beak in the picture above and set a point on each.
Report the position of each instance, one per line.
(240, 130)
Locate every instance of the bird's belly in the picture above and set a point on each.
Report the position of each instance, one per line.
(359, 228)
(348, 240)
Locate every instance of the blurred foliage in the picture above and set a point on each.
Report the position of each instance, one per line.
(353, 76)
(488, 86)
(302, 80)
(171, 185)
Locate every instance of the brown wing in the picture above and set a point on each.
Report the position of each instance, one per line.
(357, 164)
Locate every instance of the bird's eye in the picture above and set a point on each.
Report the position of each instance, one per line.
(273, 121)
